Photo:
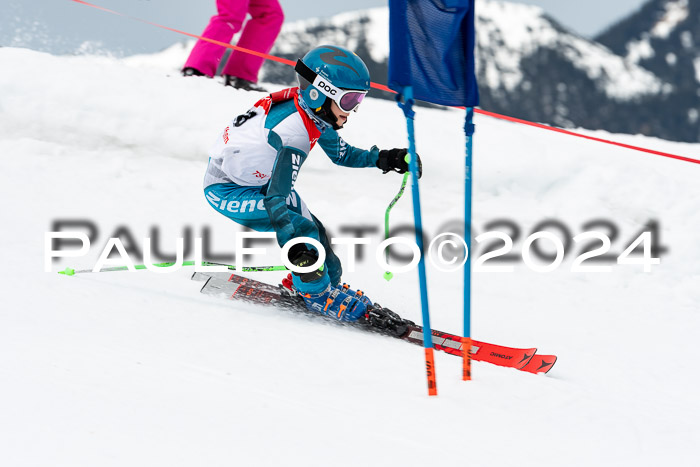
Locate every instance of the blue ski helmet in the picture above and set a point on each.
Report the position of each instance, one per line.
(326, 71)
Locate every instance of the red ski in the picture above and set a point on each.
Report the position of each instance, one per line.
(236, 287)
(481, 351)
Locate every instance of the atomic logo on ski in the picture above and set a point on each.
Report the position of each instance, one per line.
(526, 357)
(544, 365)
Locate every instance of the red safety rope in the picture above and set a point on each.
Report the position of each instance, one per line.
(592, 138)
(382, 87)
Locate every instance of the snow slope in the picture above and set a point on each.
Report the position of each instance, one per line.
(139, 369)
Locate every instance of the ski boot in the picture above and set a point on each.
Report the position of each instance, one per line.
(359, 294)
(358, 308)
(334, 302)
(240, 83)
(189, 71)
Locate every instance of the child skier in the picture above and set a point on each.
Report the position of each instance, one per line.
(254, 164)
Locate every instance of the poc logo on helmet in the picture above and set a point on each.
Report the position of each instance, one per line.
(327, 88)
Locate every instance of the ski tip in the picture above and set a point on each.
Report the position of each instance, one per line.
(540, 364)
(67, 272)
(388, 275)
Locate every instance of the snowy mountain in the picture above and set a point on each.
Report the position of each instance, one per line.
(528, 66)
(140, 369)
(664, 38)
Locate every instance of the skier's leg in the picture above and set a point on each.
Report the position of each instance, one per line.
(259, 34)
(335, 269)
(245, 206)
(205, 56)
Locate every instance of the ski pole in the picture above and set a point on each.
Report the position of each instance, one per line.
(388, 275)
(72, 272)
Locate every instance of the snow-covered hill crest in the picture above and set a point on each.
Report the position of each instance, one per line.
(663, 37)
(509, 33)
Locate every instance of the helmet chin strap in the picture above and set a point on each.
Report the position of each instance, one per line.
(325, 113)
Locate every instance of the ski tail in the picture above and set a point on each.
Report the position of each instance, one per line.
(236, 287)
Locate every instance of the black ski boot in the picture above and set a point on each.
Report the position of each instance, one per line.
(189, 71)
(240, 83)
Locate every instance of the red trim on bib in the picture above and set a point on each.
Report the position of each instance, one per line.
(284, 95)
(314, 132)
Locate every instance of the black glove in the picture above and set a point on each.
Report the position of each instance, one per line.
(395, 159)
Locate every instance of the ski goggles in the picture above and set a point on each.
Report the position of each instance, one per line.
(347, 99)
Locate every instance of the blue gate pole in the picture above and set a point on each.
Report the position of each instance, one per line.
(407, 108)
(468, 179)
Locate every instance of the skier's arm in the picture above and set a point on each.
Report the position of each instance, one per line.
(341, 153)
(280, 187)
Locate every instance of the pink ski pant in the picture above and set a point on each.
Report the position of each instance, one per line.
(259, 34)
